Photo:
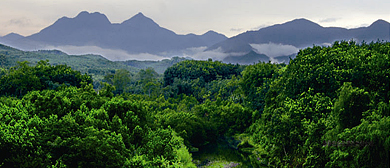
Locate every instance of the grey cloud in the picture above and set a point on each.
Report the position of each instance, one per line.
(261, 26)
(357, 26)
(274, 50)
(214, 54)
(328, 20)
(200, 54)
(21, 22)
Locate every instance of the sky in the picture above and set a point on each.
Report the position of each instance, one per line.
(229, 17)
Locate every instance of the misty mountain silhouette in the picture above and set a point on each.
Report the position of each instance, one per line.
(303, 33)
(249, 58)
(12, 37)
(139, 34)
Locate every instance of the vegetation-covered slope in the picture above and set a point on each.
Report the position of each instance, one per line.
(328, 108)
(158, 66)
(95, 65)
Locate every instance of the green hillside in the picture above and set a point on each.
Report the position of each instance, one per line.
(94, 65)
(158, 66)
(329, 107)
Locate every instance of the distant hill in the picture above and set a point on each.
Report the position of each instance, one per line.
(139, 34)
(12, 37)
(302, 33)
(249, 58)
(9, 39)
(94, 65)
(158, 66)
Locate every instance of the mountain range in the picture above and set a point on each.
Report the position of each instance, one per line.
(141, 34)
(303, 33)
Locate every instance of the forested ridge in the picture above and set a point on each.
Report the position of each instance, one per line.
(329, 107)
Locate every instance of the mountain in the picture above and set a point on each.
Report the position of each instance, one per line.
(18, 41)
(9, 38)
(302, 33)
(12, 37)
(249, 58)
(139, 34)
(85, 29)
(211, 37)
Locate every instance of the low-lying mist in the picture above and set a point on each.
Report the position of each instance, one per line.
(110, 54)
(197, 53)
(274, 50)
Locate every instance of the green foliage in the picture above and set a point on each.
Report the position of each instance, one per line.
(144, 82)
(120, 80)
(255, 82)
(95, 65)
(76, 127)
(21, 79)
(315, 103)
(159, 66)
(325, 69)
(195, 131)
(207, 70)
(350, 105)
(229, 118)
(329, 107)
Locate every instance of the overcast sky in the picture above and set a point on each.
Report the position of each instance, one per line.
(229, 17)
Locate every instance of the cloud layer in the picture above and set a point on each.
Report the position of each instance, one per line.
(274, 50)
(196, 53)
(110, 54)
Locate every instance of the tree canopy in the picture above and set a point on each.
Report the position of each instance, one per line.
(329, 107)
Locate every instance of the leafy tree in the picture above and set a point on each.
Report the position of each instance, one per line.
(23, 78)
(255, 82)
(120, 80)
(208, 70)
(351, 104)
(148, 78)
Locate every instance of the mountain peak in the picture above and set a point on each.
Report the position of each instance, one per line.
(141, 20)
(210, 32)
(96, 17)
(13, 36)
(140, 14)
(83, 14)
(379, 22)
(302, 22)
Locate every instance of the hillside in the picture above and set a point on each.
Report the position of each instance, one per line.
(158, 66)
(250, 58)
(95, 65)
(328, 108)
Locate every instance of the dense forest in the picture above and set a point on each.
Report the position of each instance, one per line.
(329, 107)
